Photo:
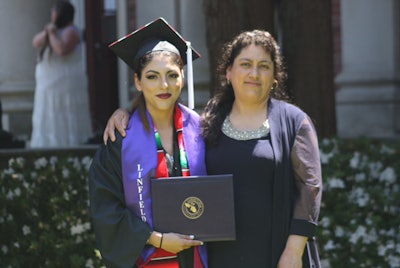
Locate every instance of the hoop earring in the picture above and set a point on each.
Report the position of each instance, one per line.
(228, 82)
(274, 85)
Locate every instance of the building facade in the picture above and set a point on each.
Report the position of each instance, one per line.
(367, 82)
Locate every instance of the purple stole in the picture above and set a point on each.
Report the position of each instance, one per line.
(139, 163)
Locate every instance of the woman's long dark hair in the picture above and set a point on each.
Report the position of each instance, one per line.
(65, 13)
(220, 105)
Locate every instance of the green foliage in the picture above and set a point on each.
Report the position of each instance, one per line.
(44, 216)
(359, 219)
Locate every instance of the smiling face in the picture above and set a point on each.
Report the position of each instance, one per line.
(161, 83)
(251, 75)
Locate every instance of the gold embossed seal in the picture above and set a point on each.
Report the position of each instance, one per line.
(192, 207)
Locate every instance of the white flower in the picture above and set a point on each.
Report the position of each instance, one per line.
(325, 263)
(355, 161)
(34, 174)
(10, 195)
(371, 237)
(40, 163)
(359, 196)
(388, 175)
(4, 248)
(89, 263)
(325, 222)
(16, 244)
(77, 229)
(26, 185)
(86, 162)
(11, 161)
(329, 246)
(9, 171)
(394, 261)
(34, 212)
(339, 231)
(325, 157)
(375, 169)
(66, 196)
(65, 173)
(75, 163)
(359, 233)
(381, 250)
(53, 160)
(20, 161)
(80, 228)
(17, 192)
(359, 177)
(26, 230)
(386, 150)
(333, 183)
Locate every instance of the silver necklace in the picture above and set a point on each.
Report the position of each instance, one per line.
(229, 130)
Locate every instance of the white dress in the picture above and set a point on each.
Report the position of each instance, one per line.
(61, 115)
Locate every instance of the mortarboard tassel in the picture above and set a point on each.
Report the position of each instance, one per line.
(190, 76)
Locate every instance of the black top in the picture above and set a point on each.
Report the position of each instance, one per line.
(252, 164)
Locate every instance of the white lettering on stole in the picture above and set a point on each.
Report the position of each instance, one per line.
(139, 184)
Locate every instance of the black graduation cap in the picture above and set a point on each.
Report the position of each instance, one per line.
(151, 37)
(157, 35)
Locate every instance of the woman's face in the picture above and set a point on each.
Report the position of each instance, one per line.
(251, 75)
(53, 16)
(161, 83)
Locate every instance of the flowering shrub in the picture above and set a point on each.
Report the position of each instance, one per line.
(44, 217)
(359, 219)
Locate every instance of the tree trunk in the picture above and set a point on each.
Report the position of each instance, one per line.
(225, 19)
(308, 49)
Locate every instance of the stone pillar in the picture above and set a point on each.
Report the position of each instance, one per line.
(20, 20)
(368, 95)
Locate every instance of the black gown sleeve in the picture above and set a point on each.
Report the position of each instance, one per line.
(120, 235)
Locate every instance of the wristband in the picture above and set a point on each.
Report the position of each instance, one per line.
(162, 236)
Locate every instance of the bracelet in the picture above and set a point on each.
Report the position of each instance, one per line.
(162, 236)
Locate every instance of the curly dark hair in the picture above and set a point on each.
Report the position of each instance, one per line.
(220, 105)
(65, 13)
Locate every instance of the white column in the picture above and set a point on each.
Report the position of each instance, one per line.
(194, 29)
(20, 20)
(368, 95)
(123, 69)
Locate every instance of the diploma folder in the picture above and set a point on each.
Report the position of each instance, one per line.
(202, 206)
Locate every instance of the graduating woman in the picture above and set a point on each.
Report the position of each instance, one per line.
(164, 141)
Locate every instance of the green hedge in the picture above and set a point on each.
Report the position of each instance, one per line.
(359, 219)
(44, 219)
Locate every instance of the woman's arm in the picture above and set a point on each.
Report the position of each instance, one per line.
(308, 180)
(118, 120)
(40, 39)
(66, 42)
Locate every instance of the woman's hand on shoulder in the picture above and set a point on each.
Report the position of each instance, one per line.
(118, 120)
